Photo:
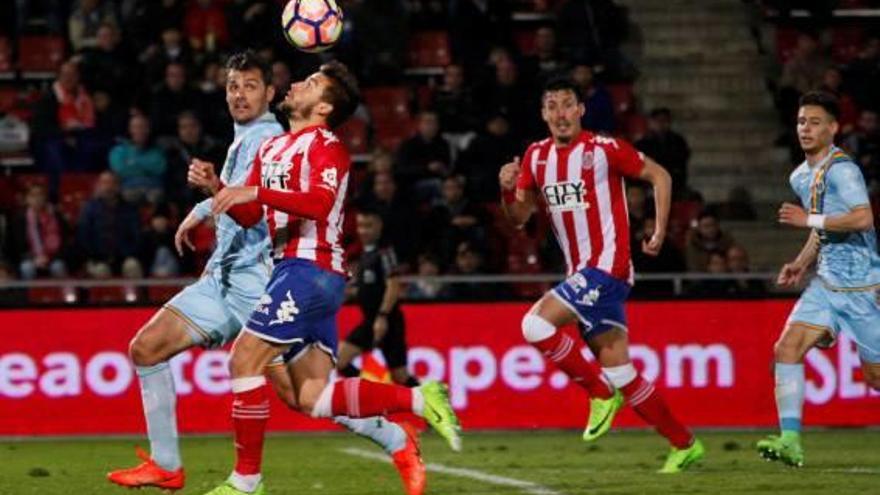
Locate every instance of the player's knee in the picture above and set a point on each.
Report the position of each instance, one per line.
(536, 329)
(307, 400)
(142, 352)
(786, 351)
(872, 378)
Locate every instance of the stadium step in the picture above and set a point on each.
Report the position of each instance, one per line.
(683, 83)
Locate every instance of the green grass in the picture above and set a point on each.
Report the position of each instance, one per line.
(838, 462)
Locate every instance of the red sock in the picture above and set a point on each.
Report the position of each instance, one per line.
(650, 406)
(358, 398)
(250, 411)
(566, 354)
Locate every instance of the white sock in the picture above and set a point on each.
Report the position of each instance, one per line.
(418, 404)
(245, 482)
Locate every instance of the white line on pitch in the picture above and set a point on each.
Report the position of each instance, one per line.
(525, 486)
(852, 470)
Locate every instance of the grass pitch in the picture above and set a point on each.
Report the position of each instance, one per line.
(550, 463)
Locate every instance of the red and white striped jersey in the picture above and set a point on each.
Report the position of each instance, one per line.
(582, 188)
(310, 159)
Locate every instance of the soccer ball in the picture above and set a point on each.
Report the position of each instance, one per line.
(312, 25)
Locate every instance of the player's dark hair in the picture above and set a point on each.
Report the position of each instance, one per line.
(563, 83)
(342, 93)
(822, 99)
(661, 112)
(248, 60)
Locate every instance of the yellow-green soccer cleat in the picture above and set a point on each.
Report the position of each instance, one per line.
(785, 448)
(680, 459)
(602, 412)
(227, 489)
(439, 414)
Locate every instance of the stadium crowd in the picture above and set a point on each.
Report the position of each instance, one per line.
(142, 93)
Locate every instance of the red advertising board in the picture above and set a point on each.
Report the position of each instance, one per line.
(65, 371)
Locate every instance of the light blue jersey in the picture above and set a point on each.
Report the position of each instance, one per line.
(236, 246)
(834, 187)
(845, 296)
(220, 302)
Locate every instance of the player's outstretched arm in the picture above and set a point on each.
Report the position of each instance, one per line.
(662, 184)
(181, 237)
(517, 204)
(859, 219)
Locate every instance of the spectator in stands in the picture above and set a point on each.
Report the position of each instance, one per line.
(424, 159)
(738, 262)
(716, 264)
(482, 160)
(145, 21)
(864, 145)
(53, 11)
(190, 143)
(863, 75)
(86, 19)
(591, 31)
(212, 92)
(106, 66)
(40, 232)
(509, 95)
(379, 28)
(173, 97)
(547, 61)
(474, 27)
(172, 49)
(667, 148)
(205, 26)
(638, 207)
(397, 214)
(156, 250)
(139, 164)
(669, 260)
(253, 23)
(453, 220)
(803, 72)
(599, 116)
(428, 14)
(424, 290)
(454, 102)
(703, 239)
(111, 119)
(63, 119)
(469, 261)
(739, 205)
(108, 232)
(832, 82)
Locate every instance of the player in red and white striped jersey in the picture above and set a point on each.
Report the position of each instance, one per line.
(578, 178)
(298, 182)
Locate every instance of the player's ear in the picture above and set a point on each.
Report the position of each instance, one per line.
(835, 126)
(270, 93)
(324, 109)
(582, 109)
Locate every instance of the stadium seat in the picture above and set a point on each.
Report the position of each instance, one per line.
(40, 56)
(846, 43)
(6, 69)
(112, 295)
(354, 134)
(525, 41)
(524, 258)
(786, 41)
(623, 97)
(387, 104)
(429, 49)
(52, 295)
(75, 189)
(160, 294)
(8, 99)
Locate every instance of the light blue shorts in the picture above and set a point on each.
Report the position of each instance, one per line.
(217, 306)
(855, 312)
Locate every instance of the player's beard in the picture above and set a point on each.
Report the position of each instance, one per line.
(290, 113)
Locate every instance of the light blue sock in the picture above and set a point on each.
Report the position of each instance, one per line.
(160, 410)
(388, 435)
(790, 396)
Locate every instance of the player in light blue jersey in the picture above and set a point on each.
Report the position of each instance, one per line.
(845, 294)
(212, 311)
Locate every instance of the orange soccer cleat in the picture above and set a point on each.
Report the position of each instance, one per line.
(147, 473)
(409, 463)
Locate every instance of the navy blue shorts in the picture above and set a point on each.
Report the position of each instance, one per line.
(299, 308)
(596, 298)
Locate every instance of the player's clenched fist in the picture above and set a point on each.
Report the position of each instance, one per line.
(201, 174)
(509, 174)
